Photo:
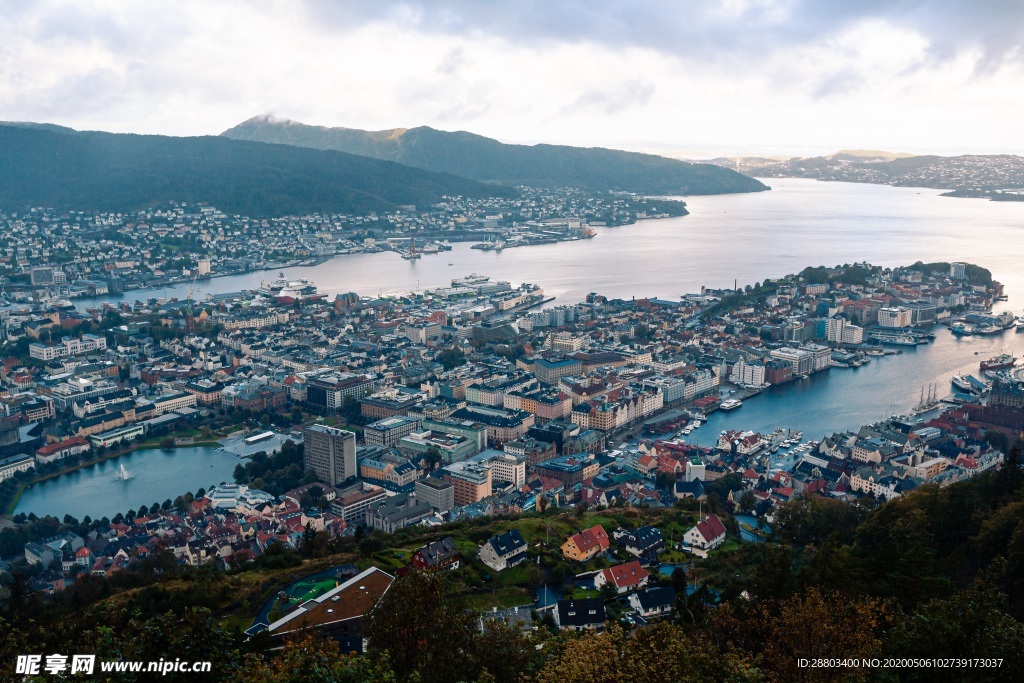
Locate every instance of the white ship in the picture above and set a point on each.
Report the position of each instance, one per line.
(731, 404)
(283, 287)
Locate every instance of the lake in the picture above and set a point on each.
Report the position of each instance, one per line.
(157, 474)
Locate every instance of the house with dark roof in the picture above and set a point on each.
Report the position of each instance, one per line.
(439, 554)
(645, 541)
(504, 550)
(707, 534)
(653, 602)
(580, 615)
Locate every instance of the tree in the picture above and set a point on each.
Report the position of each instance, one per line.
(425, 629)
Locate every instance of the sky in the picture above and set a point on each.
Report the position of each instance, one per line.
(687, 78)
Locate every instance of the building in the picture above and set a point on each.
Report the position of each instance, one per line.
(452, 447)
(585, 545)
(504, 466)
(68, 347)
(330, 391)
(645, 541)
(531, 449)
(569, 469)
(503, 551)
(587, 614)
(352, 503)
(389, 430)
(894, 316)
(624, 577)
(337, 614)
(707, 534)
(472, 481)
(397, 512)
(471, 430)
(438, 493)
(58, 451)
(115, 436)
(548, 371)
(957, 270)
(502, 425)
(388, 403)
(653, 602)
(330, 453)
(441, 554)
(800, 360)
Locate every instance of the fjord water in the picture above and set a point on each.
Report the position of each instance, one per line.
(744, 237)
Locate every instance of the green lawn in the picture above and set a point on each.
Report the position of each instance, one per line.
(502, 599)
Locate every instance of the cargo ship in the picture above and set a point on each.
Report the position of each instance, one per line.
(999, 362)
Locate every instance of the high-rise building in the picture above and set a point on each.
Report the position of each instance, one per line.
(330, 453)
(957, 270)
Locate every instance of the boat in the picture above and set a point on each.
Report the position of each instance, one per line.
(731, 404)
(896, 338)
(1020, 324)
(961, 329)
(470, 280)
(999, 362)
(960, 382)
(123, 474)
(283, 287)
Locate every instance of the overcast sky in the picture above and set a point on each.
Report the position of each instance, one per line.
(696, 77)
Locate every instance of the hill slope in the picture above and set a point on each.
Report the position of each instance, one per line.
(474, 156)
(61, 168)
(966, 172)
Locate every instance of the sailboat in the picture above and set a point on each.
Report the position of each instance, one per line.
(123, 474)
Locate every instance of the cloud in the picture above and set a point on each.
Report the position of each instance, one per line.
(613, 100)
(748, 29)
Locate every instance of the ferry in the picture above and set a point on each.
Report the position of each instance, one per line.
(731, 404)
(470, 280)
(999, 362)
(960, 382)
(283, 287)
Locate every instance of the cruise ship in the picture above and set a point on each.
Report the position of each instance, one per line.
(731, 404)
(283, 287)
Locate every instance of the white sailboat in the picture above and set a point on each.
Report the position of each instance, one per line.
(123, 474)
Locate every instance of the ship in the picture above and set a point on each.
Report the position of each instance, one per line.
(123, 474)
(731, 404)
(999, 362)
(282, 287)
(895, 338)
(470, 280)
(961, 329)
(960, 382)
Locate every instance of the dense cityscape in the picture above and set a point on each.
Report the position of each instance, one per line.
(453, 342)
(356, 418)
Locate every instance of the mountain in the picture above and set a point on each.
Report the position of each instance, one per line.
(43, 165)
(484, 159)
(969, 174)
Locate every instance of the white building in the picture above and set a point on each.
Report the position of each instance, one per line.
(894, 316)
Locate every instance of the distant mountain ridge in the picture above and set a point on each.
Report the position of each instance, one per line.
(973, 172)
(488, 160)
(52, 166)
